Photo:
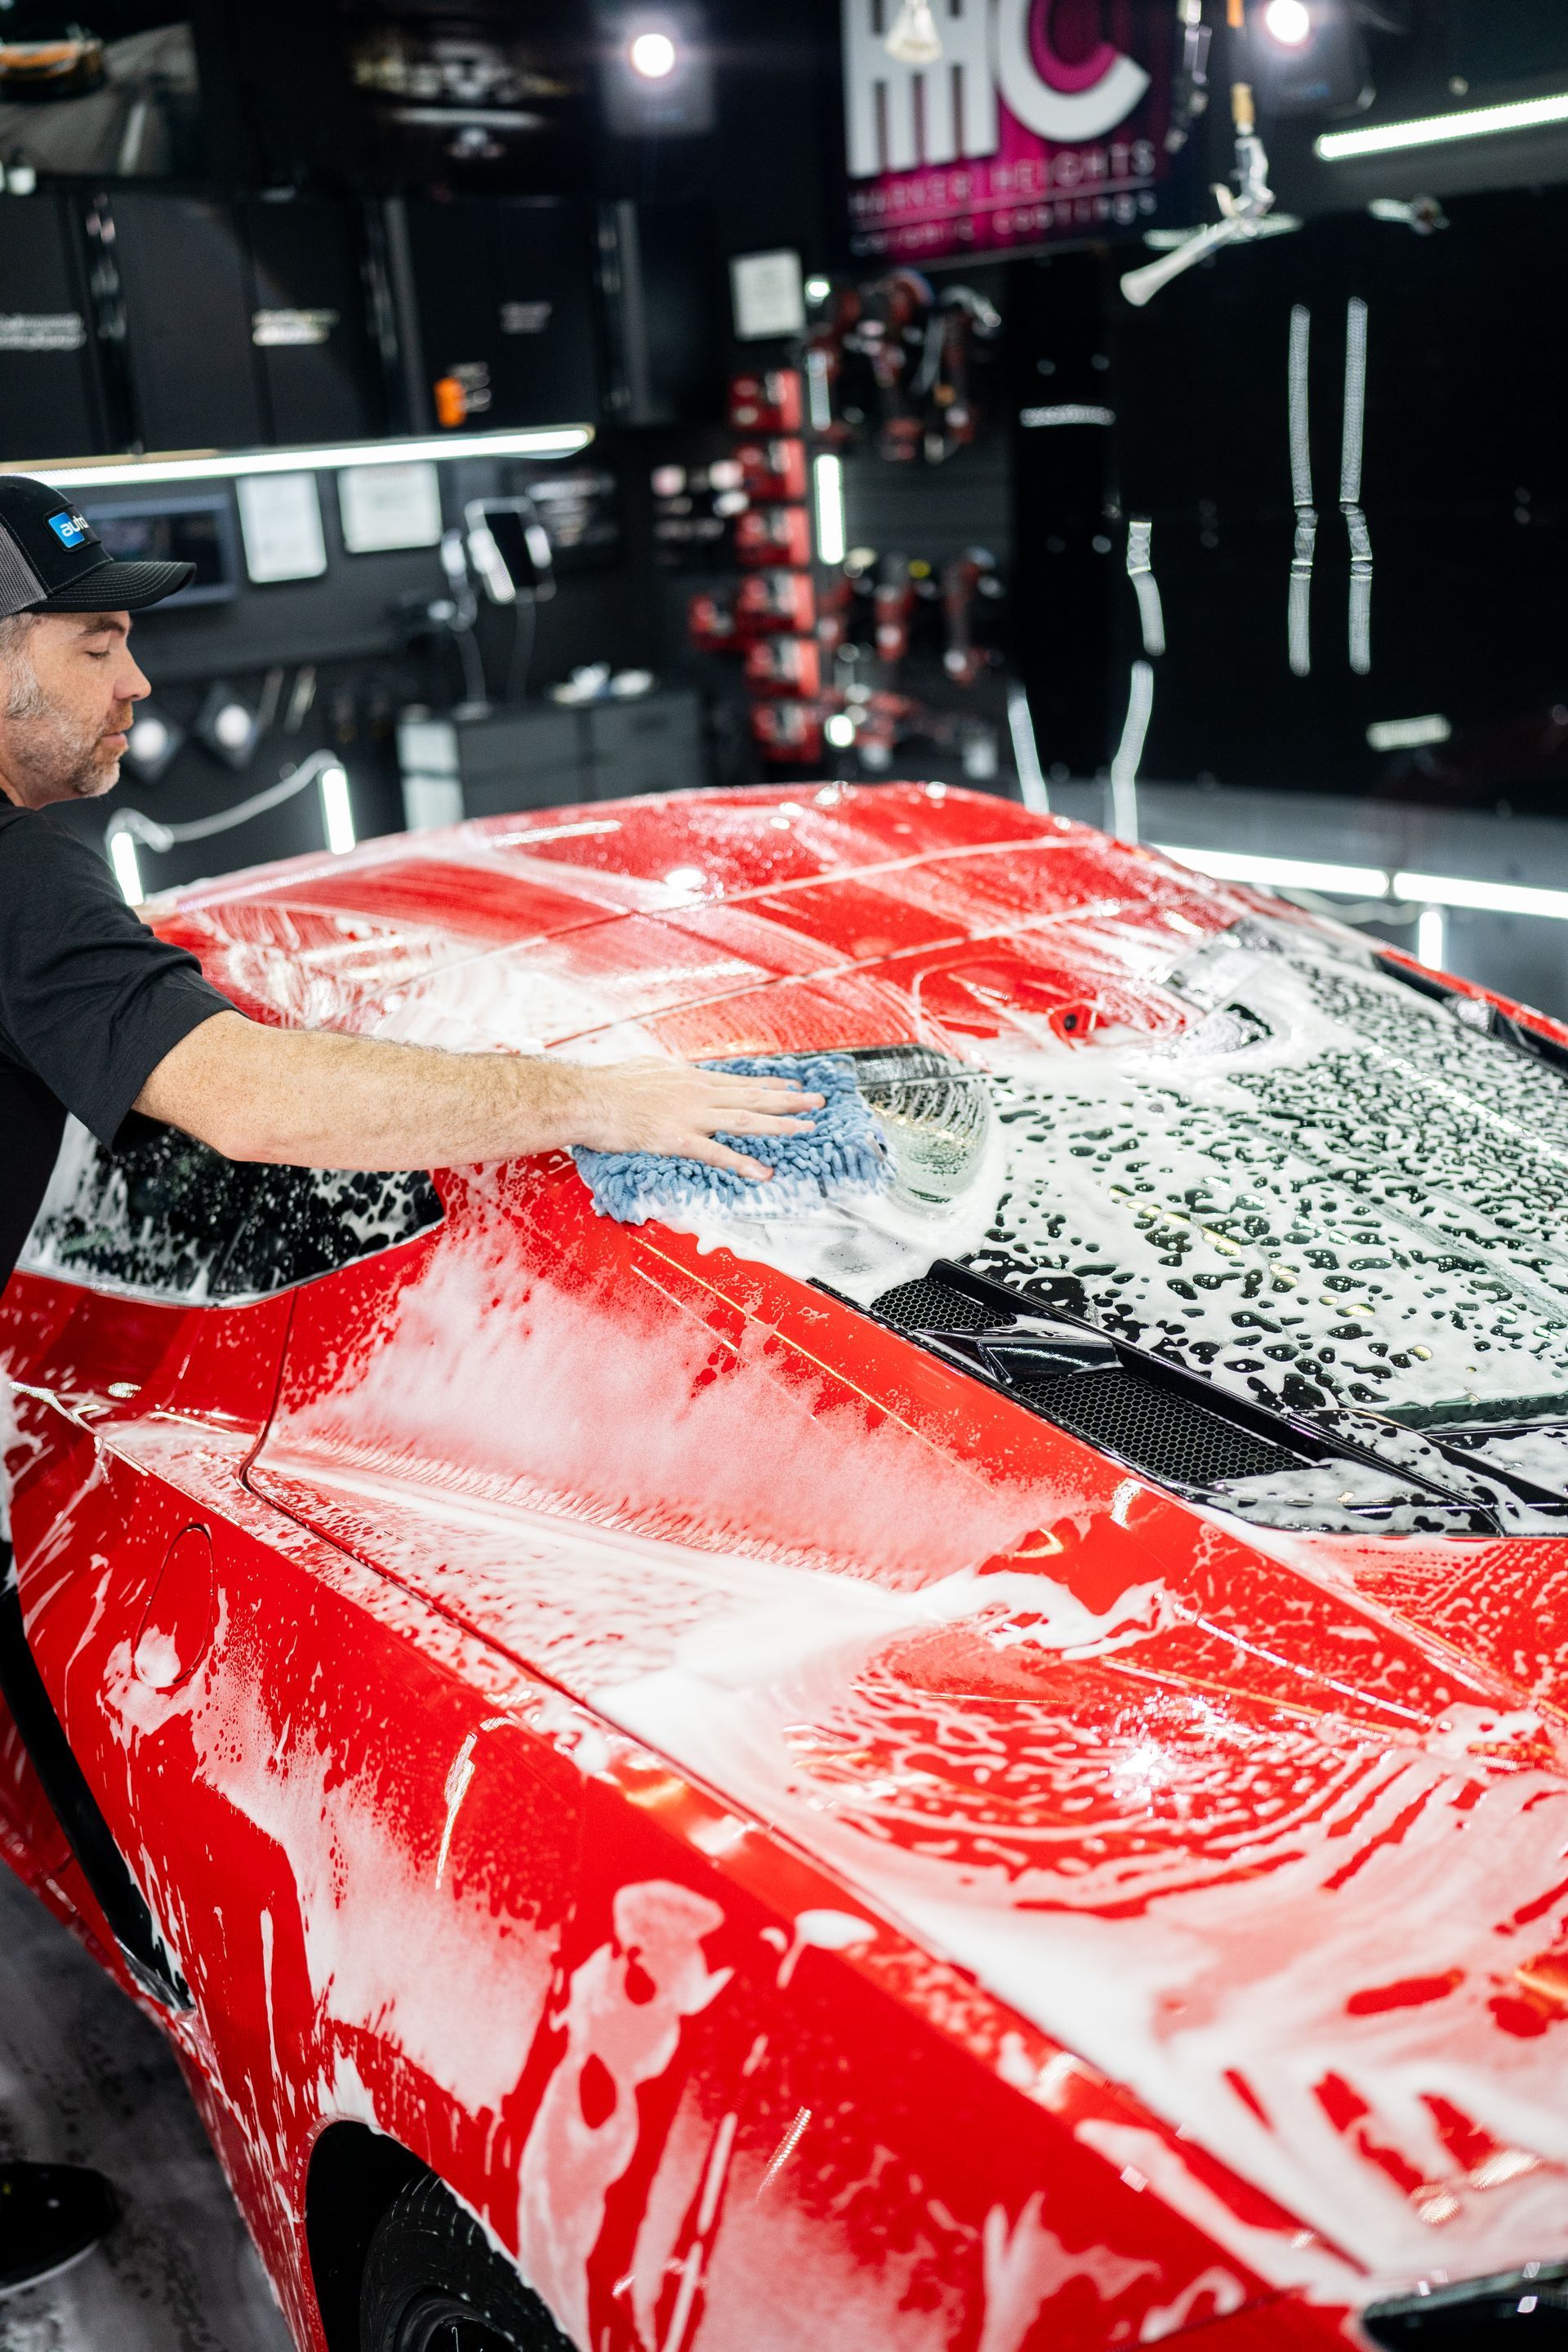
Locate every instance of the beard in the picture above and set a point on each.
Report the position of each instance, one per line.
(52, 757)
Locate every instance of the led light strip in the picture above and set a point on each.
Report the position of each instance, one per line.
(225, 465)
(1284, 873)
(1372, 882)
(1433, 131)
(1490, 897)
(827, 478)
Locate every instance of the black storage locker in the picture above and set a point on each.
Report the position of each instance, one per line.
(320, 376)
(51, 403)
(501, 297)
(184, 280)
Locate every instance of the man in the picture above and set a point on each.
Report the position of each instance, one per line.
(100, 1018)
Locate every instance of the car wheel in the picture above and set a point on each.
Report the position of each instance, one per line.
(434, 2283)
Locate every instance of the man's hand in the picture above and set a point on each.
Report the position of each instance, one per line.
(673, 1107)
(312, 1099)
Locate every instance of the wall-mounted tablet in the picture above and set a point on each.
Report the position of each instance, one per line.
(198, 530)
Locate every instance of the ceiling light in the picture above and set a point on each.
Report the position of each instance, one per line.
(840, 730)
(914, 39)
(1288, 22)
(1433, 131)
(653, 56)
(225, 464)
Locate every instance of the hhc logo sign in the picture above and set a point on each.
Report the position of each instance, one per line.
(994, 53)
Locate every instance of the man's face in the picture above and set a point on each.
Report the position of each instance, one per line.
(65, 707)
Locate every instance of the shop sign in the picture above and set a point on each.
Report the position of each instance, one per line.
(1022, 133)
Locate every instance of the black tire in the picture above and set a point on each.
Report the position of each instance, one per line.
(433, 2283)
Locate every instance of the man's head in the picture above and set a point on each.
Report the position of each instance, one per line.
(66, 678)
(67, 682)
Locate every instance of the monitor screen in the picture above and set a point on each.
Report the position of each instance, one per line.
(199, 530)
(115, 95)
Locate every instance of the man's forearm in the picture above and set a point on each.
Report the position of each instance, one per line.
(308, 1098)
(312, 1099)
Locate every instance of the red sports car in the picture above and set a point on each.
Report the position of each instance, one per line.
(981, 1769)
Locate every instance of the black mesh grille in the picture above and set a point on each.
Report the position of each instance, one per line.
(931, 1306)
(1155, 1429)
(1138, 1420)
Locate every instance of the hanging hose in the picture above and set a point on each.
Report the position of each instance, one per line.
(160, 837)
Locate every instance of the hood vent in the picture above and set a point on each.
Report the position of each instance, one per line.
(1152, 1417)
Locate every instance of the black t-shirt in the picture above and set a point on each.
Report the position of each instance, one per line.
(91, 1002)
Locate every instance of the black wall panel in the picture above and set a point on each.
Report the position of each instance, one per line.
(321, 378)
(50, 397)
(186, 285)
(1464, 488)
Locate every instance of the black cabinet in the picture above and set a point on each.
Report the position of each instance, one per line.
(654, 745)
(541, 756)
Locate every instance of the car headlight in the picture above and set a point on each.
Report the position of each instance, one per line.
(936, 1115)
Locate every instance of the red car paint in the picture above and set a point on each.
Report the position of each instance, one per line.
(734, 2036)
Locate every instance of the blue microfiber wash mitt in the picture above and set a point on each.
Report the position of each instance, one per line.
(843, 1153)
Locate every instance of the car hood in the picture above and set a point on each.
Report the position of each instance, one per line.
(1269, 1823)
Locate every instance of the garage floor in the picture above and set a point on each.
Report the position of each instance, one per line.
(84, 2078)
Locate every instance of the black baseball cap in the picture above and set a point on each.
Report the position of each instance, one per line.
(52, 559)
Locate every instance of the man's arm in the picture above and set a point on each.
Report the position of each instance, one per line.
(309, 1098)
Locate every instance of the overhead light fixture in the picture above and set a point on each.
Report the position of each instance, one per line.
(337, 811)
(656, 68)
(1436, 130)
(654, 56)
(1288, 22)
(914, 39)
(226, 465)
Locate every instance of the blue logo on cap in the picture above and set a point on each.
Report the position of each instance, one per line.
(68, 529)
